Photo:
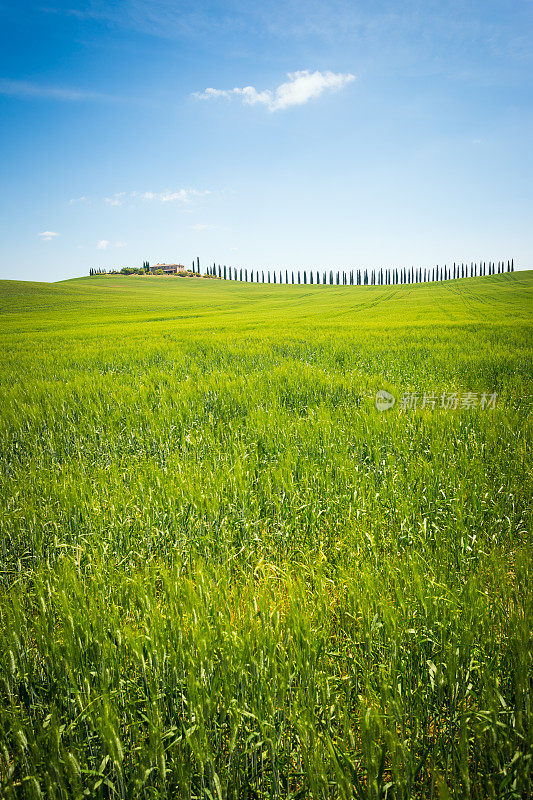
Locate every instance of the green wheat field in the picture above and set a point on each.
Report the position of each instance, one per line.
(226, 575)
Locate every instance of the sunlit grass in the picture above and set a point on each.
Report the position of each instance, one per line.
(226, 575)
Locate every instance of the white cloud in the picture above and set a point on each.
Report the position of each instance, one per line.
(298, 89)
(47, 236)
(103, 244)
(182, 195)
(170, 196)
(74, 200)
(115, 200)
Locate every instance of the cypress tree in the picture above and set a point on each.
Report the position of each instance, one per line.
(512, 265)
(225, 273)
(274, 276)
(311, 276)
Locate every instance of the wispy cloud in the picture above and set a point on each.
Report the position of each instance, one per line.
(25, 89)
(181, 195)
(115, 200)
(170, 196)
(300, 87)
(74, 200)
(47, 236)
(103, 244)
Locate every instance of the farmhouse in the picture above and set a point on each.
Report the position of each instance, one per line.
(171, 269)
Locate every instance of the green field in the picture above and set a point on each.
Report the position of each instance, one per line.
(225, 574)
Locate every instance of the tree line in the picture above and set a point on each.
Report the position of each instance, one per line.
(362, 277)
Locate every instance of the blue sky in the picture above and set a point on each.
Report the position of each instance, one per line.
(361, 134)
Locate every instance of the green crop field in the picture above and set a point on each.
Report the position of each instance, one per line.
(225, 574)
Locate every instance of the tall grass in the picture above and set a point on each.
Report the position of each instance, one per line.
(226, 575)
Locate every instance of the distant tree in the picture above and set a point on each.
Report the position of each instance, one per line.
(331, 277)
(311, 276)
(512, 265)
(268, 276)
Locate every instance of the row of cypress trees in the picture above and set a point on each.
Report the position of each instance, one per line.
(381, 277)
(97, 271)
